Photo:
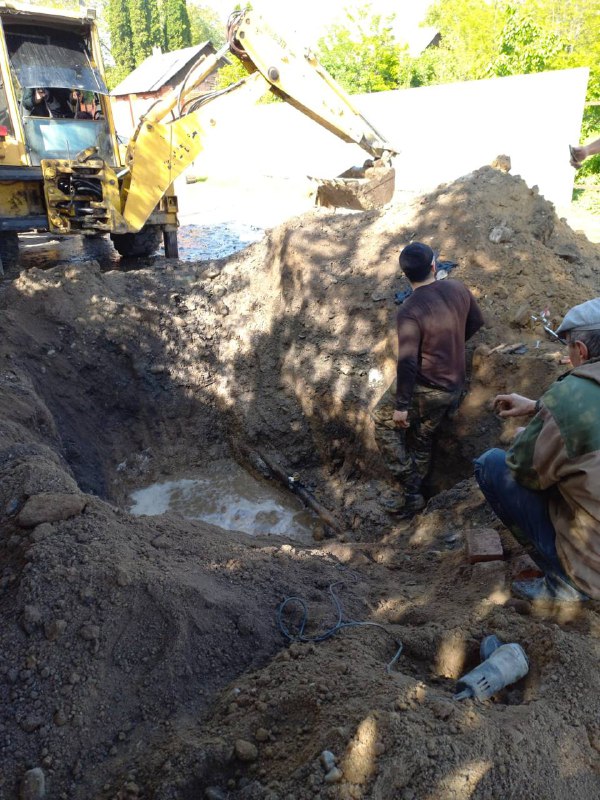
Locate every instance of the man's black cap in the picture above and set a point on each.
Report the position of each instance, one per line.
(415, 255)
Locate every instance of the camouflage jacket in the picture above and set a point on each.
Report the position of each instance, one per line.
(560, 448)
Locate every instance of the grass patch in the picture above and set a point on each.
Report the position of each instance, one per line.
(587, 198)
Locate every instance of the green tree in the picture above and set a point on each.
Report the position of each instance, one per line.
(420, 71)
(231, 73)
(205, 25)
(362, 55)
(119, 28)
(469, 31)
(156, 27)
(481, 38)
(524, 46)
(177, 24)
(139, 19)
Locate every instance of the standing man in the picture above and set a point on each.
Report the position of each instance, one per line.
(433, 325)
(546, 488)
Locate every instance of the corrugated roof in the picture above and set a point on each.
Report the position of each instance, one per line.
(156, 70)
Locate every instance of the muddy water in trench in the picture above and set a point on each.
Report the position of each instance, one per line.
(226, 495)
(196, 243)
(217, 219)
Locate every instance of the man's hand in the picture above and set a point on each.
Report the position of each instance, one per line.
(401, 419)
(513, 405)
(578, 156)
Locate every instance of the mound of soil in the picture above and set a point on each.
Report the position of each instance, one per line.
(142, 657)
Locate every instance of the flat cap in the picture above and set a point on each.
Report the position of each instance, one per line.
(584, 317)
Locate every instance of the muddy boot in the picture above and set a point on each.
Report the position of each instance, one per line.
(413, 503)
(549, 589)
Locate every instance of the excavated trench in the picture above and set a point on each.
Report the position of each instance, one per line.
(124, 629)
(141, 655)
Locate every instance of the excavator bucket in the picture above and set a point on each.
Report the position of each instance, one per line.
(360, 188)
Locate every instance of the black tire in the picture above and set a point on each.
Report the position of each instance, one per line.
(9, 250)
(135, 245)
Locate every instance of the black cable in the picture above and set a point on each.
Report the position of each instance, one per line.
(341, 623)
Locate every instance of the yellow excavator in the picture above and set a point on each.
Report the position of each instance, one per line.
(63, 170)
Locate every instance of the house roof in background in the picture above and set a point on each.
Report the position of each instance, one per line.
(158, 69)
(419, 39)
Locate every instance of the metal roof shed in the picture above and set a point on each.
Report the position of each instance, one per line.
(155, 76)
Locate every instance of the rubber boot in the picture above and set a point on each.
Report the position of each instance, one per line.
(413, 503)
(551, 589)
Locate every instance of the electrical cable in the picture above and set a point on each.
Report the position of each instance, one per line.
(341, 623)
(195, 103)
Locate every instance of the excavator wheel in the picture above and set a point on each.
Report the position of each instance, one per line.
(9, 250)
(138, 245)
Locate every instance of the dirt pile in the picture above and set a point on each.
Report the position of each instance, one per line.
(121, 633)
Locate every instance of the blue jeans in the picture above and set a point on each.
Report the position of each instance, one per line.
(523, 511)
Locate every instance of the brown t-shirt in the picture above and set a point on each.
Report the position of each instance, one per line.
(433, 325)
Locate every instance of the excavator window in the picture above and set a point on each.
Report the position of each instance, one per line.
(43, 56)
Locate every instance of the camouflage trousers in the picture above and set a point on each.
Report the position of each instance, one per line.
(407, 451)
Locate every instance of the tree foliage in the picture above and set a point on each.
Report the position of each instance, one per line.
(231, 73)
(478, 39)
(136, 27)
(469, 31)
(362, 54)
(524, 46)
(523, 36)
(177, 25)
(119, 29)
(205, 25)
(155, 25)
(139, 20)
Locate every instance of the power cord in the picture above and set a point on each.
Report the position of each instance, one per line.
(299, 635)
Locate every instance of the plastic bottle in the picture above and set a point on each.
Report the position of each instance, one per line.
(506, 664)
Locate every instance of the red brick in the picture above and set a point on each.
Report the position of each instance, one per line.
(483, 544)
(524, 568)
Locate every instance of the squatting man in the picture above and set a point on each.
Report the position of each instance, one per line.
(432, 325)
(546, 488)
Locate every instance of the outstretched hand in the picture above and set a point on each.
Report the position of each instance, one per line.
(401, 419)
(513, 405)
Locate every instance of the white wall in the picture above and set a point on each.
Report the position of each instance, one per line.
(447, 131)
(442, 132)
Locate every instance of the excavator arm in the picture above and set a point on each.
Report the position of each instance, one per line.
(174, 131)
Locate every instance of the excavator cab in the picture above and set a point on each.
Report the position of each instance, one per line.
(61, 167)
(57, 85)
